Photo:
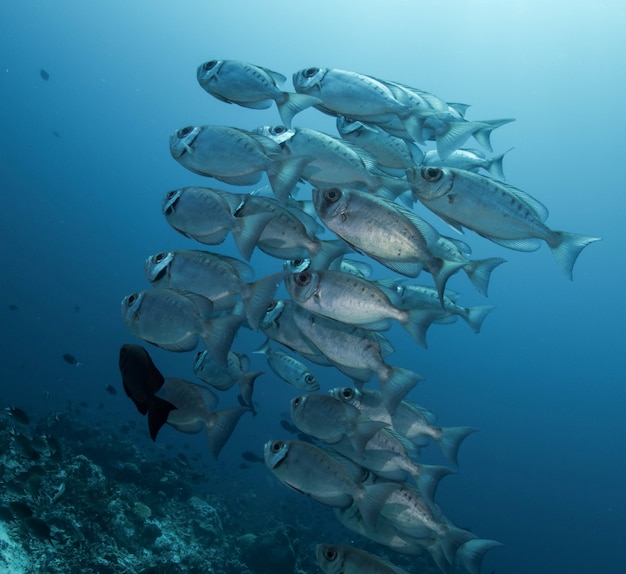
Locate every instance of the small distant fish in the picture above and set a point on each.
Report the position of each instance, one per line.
(111, 390)
(13, 307)
(44, 74)
(71, 359)
(18, 415)
(56, 134)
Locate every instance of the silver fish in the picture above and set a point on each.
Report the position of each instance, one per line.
(174, 320)
(393, 155)
(501, 213)
(312, 471)
(335, 162)
(330, 420)
(349, 299)
(204, 214)
(467, 159)
(385, 231)
(194, 412)
(358, 353)
(251, 86)
(409, 420)
(355, 96)
(339, 559)
(236, 157)
(289, 369)
(215, 277)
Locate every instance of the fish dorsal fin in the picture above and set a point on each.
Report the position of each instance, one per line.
(276, 76)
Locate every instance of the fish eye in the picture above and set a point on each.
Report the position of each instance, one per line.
(332, 194)
(271, 306)
(297, 262)
(278, 129)
(330, 554)
(303, 278)
(276, 446)
(170, 195)
(432, 174)
(209, 65)
(309, 379)
(297, 401)
(159, 257)
(132, 298)
(347, 393)
(184, 131)
(310, 72)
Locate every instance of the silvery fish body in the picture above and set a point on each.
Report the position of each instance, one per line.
(251, 86)
(355, 96)
(335, 162)
(217, 277)
(194, 412)
(167, 318)
(467, 159)
(289, 369)
(235, 156)
(505, 215)
(339, 559)
(385, 231)
(204, 214)
(393, 155)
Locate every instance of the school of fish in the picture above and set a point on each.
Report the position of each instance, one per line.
(332, 209)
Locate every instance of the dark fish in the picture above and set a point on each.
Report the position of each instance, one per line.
(5, 514)
(289, 427)
(18, 415)
(71, 359)
(251, 456)
(20, 509)
(13, 307)
(39, 529)
(110, 389)
(44, 74)
(56, 134)
(141, 380)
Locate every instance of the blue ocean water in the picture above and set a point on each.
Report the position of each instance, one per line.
(85, 162)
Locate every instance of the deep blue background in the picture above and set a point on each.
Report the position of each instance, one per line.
(544, 381)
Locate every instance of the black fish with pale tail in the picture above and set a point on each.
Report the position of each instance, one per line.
(251, 456)
(141, 380)
(71, 359)
(45, 76)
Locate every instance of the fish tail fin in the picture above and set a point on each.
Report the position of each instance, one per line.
(158, 411)
(264, 349)
(450, 440)
(330, 249)
(292, 104)
(479, 272)
(396, 385)
(483, 135)
(373, 499)
(442, 271)
(470, 554)
(418, 323)
(259, 296)
(476, 315)
(220, 426)
(246, 386)
(495, 166)
(248, 232)
(285, 173)
(219, 335)
(455, 136)
(567, 248)
(428, 479)
(413, 124)
(452, 541)
(363, 431)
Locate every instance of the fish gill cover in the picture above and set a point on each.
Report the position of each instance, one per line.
(344, 222)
